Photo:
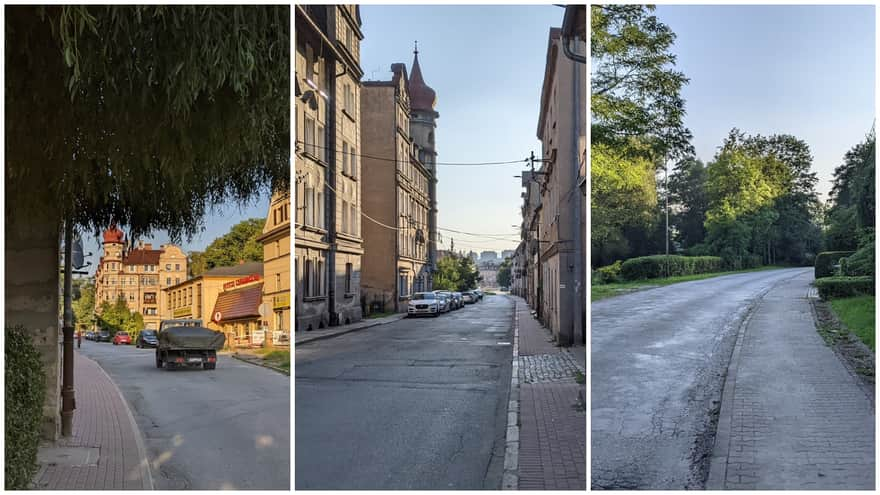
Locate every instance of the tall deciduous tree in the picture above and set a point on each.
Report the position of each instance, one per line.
(636, 92)
(144, 115)
(687, 194)
(84, 306)
(240, 244)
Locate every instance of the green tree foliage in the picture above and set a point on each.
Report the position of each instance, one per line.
(145, 115)
(456, 273)
(239, 244)
(852, 196)
(761, 201)
(84, 306)
(503, 276)
(622, 195)
(635, 90)
(116, 317)
(689, 201)
(196, 263)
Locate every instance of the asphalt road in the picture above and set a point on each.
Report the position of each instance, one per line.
(658, 360)
(420, 403)
(227, 428)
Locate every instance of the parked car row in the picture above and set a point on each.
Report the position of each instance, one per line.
(145, 338)
(441, 301)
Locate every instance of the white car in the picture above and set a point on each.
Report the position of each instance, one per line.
(424, 303)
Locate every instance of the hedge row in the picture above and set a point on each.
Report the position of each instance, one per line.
(825, 262)
(839, 287)
(25, 393)
(669, 266)
(608, 274)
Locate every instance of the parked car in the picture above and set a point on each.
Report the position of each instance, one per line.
(479, 294)
(450, 300)
(102, 336)
(459, 301)
(469, 297)
(445, 303)
(147, 338)
(90, 335)
(423, 303)
(122, 338)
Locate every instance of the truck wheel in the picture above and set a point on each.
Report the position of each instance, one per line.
(210, 366)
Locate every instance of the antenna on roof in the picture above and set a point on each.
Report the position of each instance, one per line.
(416, 50)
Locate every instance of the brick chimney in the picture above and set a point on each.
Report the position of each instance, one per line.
(148, 246)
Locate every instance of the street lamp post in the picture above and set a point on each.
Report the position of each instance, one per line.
(68, 399)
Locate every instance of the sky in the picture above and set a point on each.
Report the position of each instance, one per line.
(486, 64)
(801, 70)
(216, 223)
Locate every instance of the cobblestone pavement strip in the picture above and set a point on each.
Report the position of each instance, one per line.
(799, 419)
(102, 420)
(552, 438)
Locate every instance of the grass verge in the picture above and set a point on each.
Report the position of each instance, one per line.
(380, 315)
(608, 290)
(279, 358)
(857, 313)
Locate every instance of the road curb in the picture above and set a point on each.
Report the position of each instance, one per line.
(392, 319)
(510, 478)
(146, 472)
(262, 365)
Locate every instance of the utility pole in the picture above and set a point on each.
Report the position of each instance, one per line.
(68, 400)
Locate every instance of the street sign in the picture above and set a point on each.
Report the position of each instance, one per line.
(76, 256)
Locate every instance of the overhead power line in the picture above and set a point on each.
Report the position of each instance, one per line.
(449, 164)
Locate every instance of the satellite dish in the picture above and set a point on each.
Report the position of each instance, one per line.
(77, 258)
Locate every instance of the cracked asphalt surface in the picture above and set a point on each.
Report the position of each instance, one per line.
(658, 360)
(227, 428)
(420, 403)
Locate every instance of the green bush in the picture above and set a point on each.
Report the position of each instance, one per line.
(839, 287)
(825, 262)
(861, 263)
(609, 274)
(668, 266)
(25, 393)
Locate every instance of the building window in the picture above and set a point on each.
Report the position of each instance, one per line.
(320, 208)
(310, 136)
(177, 267)
(277, 281)
(176, 280)
(167, 267)
(348, 267)
(310, 205)
(279, 320)
(354, 220)
(345, 158)
(345, 216)
(277, 249)
(403, 285)
(199, 299)
(308, 279)
(168, 281)
(349, 40)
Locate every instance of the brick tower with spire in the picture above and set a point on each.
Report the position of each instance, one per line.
(423, 123)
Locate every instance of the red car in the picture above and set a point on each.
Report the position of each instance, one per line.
(122, 338)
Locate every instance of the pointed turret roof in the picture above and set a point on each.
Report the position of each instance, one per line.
(422, 97)
(113, 235)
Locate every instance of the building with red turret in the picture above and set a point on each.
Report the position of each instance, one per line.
(397, 120)
(137, 274)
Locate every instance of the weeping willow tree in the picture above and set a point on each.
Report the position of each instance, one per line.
(146, 116)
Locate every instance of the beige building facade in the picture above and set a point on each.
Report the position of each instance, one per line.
(276, 268)
(397, 253)
(328, 250)
(137, 275)
(561, 130)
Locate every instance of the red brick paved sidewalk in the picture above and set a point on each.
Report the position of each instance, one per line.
(106, 442)
(553, 422)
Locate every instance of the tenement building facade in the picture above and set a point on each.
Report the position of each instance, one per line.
(561, 125)
(397, 196)
(276, 268)
(137, 275)
(328, 251)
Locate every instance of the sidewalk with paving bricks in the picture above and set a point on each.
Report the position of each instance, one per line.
(303, 336)
(792, 415)
(106, 451)
(552, 418)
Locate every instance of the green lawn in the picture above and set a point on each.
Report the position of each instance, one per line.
(609, 290)
(275, 357)
(380, 315)
(857, 313)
